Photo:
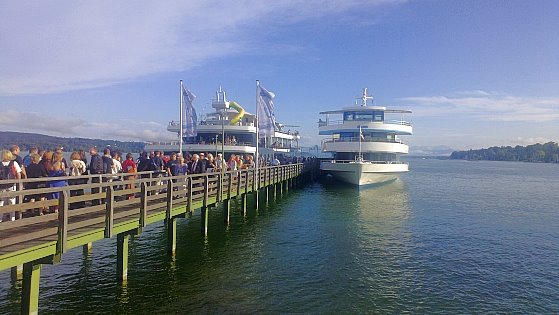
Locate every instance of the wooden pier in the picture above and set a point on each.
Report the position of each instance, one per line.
(121, 207)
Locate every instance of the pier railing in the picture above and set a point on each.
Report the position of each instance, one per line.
(101, 206)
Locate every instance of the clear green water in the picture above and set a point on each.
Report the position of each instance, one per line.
(448, 237)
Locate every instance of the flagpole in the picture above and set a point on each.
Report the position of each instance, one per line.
(180, 120)
(257, 157)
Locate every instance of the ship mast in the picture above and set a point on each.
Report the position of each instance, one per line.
(365, 97)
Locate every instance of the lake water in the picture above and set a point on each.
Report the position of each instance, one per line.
(448, 237)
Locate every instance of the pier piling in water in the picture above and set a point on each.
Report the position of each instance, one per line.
(30, 288)
(122, 256)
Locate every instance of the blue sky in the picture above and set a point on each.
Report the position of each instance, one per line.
(474, 73)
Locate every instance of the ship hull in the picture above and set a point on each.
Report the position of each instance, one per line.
(364, 173)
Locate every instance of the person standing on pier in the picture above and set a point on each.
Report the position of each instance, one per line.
(196, 166)
(219, 162)
(108, 164)
(56, 169)
(15, 153)
(95, 167)
(10, 171)
(204, 162)
(172, 165)
(129, 167)
(27, 158)
(77, 168)
(158, 161)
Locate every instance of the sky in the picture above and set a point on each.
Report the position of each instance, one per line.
(474, 73)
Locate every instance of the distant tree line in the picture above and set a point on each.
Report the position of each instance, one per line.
(545, 153)
(27, 140)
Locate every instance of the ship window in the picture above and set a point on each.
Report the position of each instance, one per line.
(363, 116)
(378, 116)
(348, 116)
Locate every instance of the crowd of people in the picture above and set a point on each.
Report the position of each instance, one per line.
(52, 164)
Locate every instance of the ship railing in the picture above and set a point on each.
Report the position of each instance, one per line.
(372, 162)
(367, 139)
(214, 122)
(322, 123)
(162, 142)
(201, 142)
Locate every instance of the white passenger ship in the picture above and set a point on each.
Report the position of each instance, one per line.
(230, 130)
(365, 144)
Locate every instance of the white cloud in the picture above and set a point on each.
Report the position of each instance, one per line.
(488, 106)
(75, 127)
(528, 140)
(56, 46)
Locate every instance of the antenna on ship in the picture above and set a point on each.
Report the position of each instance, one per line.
(365, 97)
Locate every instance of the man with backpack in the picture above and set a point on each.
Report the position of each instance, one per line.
(10, 171)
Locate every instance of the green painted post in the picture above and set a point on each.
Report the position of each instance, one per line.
(171, 235)
(16, 273)
(122, 256)
(30, 288)
(204, 220)
(226, 210)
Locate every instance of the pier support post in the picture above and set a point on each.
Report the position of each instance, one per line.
(244, 205)
(122, 256)
(171, 235)
(16, 273)
(256, 195)
(275, 189)
(86, 248)
(30, 288)
(204, 220)
(266, 191)
(226, 210)
(281, 188)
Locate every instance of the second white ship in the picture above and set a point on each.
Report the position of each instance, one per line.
(366, 146)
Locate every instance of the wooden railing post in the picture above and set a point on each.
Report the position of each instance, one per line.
(219, 196)
(169, 209)
(143, 204)
(206, 190)
(62, 243)
(239, 182)
(109, 212)
(190, 195)
(229, 185)
(246, 181)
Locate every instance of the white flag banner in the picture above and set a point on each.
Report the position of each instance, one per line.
(266, 118)
(190, 118)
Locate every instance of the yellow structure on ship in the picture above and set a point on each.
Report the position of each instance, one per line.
(239, 116)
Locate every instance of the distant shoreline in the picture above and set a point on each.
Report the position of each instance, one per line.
(535, 153)
(26, 140)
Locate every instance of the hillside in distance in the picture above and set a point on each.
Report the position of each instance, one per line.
(542, 153)
(44, 142)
